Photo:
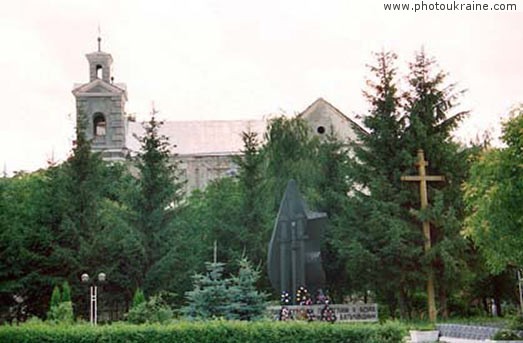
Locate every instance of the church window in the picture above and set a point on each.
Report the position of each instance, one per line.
(99, 70)
(320, 130)
(99, 125)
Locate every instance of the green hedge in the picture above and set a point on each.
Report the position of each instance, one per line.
(206, 332)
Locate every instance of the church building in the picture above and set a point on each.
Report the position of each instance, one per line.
(204, 149)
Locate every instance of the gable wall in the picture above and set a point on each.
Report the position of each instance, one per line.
(334, 123)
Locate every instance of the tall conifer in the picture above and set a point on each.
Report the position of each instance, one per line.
(380, 244)
(158, 195)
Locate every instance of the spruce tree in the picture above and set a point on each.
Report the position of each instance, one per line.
(94, 231)
(380, 247)
(158, 195)
(244, 300)
(254, 213)
(332, 187)
(79, 192)
(208, 299)
(432, 115)
(85, 183)
(387, 241)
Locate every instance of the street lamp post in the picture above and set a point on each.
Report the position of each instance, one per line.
(93, 318)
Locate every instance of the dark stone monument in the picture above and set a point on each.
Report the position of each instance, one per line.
(294, 258)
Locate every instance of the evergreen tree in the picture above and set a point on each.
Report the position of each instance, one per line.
(27, 272)
(61, 307)
(209, 298)
(83, 185)
(138, 298)
(432, 116)
(79, 197)
(159, 193)
(388, 238)
(255, 212)
(66, 292)
(244, 300)
(381, 249)
(56, 297)
(332, 188)
(94, 231)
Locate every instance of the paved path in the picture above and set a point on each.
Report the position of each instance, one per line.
(453, 340)
(459, 340)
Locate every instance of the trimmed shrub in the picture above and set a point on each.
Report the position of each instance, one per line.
(218, 331)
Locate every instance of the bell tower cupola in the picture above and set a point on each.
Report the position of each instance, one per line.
(100, 106)
(100, 64)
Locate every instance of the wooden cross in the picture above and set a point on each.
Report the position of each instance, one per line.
(422, 178)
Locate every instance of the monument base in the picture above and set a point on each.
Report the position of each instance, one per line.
(344, 312)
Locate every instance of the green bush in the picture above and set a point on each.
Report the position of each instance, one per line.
(61, 313)
(516, 323)
(66, 292)
(153, 311)
(61, 307)
(56, 297)
(207, 332)
(506, 335)
(138, 298)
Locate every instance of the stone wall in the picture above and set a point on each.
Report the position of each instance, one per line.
(199, 170)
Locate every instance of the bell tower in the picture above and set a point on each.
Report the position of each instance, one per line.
(100, 107)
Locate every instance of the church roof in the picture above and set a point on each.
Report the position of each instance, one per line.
(224, 137)
(213, 137)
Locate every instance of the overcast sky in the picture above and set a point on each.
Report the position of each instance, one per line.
(234, 59)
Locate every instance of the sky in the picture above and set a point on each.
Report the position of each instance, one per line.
(237, 59)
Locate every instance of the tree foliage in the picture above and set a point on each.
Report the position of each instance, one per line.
(385, 244)
(56, 297)
(208, 299)
(86, 215)
(138, 298)
(158, 192)
(493, 195)
(154, 310)
(245, 302)
(61, 307)
(213, 296)
(382, 247)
